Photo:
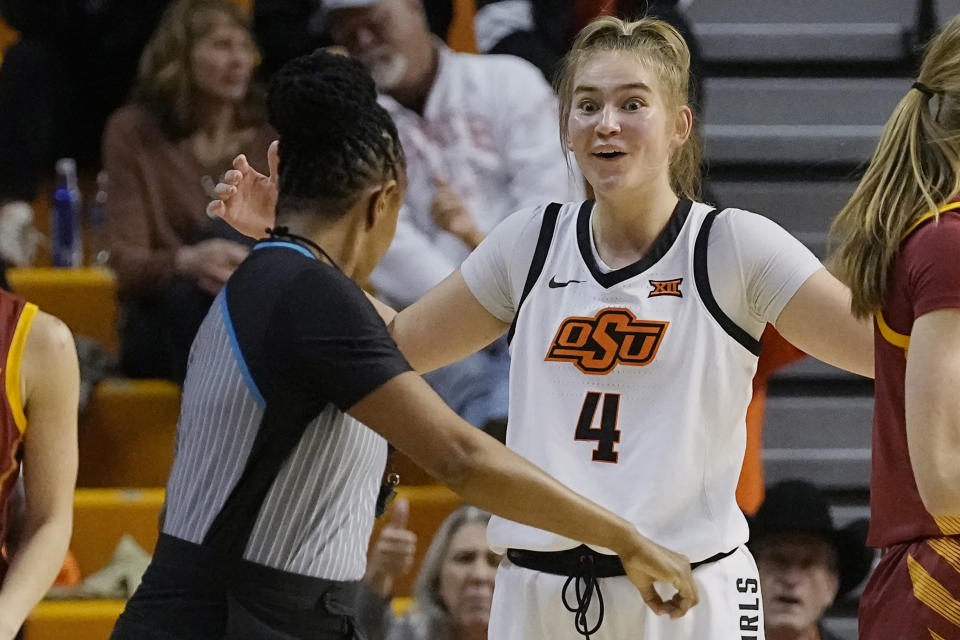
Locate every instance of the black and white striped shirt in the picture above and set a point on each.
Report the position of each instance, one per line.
(268, 465)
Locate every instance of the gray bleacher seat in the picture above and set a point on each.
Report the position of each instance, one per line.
(813, 370)
(845, 627)
(789, 121)
(946, 9)
(805, 209)
(799, 207)
(813, 30)
(822, 439)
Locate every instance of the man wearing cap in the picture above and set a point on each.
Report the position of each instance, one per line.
(805, 563)
(479, 133)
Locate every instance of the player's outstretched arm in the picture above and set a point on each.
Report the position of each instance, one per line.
(50, 381)
(933, 410)
(247, 198)
(445, 325)
(413, 418)
(818, 321)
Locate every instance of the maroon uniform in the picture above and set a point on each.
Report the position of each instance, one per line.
(915, 591)
(16, 316)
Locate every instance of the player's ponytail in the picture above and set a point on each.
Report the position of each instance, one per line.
(914, 170)
(657, 43)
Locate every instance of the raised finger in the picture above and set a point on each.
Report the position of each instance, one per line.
(232, 176)
(216, 209)
(224, 190)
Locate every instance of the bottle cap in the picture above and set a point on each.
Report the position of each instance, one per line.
(66, 166)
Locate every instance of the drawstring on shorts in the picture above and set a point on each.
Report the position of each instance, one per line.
(586, 577)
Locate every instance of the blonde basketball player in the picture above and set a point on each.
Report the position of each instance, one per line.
(634, 323)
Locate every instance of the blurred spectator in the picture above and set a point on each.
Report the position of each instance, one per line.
(480, 137)
(541, 31)
(453, 591)
(194, 109)
(71, 67)
(286, 29)
(805, 563)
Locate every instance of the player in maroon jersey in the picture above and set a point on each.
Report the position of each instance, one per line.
(40, 381)
(898, 243)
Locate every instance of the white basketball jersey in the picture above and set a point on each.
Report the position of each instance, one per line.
(631, 387)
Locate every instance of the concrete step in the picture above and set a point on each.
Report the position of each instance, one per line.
(810, 11)
(822, 439)
(799, 207)
(844, 627)
(797, 121)
(811, 370)
(817, 30)
(839, 469)
(818, 423)
(792, 43)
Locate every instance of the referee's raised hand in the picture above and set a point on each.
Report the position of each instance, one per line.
(654, 570)
(247, 198)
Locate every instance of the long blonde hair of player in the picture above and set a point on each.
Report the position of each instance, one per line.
(658, 44)
(915, 170)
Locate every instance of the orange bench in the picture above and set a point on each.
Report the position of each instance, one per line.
(102, 516)
(126, 436)
(85, 299)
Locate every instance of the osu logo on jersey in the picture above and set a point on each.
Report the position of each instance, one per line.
(615, 336)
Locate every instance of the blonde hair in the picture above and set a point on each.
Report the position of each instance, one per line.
(658, 44)
(914, 171)
(165, 79)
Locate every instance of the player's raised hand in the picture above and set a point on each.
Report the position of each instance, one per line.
(653, 563)
(247, 198)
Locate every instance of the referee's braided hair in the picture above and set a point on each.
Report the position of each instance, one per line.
(335, 139)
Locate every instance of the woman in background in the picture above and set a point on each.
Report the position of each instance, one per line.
(194, 108)
(453, 590)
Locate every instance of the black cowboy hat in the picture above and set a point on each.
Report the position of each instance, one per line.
(796, 507)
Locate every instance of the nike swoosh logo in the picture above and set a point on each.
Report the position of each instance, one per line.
(553, 284)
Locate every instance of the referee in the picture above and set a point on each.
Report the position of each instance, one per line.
(271, 498)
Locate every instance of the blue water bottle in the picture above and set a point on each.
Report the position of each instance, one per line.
(66, 234)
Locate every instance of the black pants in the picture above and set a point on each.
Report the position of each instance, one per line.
(191, 593)
(156, 332)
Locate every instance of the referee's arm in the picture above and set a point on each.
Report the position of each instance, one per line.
(408, 413)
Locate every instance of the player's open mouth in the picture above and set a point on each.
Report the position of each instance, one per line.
(609, 155)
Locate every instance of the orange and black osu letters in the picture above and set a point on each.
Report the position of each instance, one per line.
(614, 336)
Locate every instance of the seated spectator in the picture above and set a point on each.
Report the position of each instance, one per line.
(453, 591)
(480, 144)
(286, 29)
(805, 563)
(193, 110)
(72, 65)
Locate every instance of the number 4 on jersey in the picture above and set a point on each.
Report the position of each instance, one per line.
(607, 434)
